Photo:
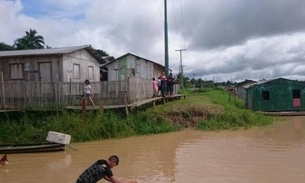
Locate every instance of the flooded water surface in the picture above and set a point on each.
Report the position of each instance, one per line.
(274, 154)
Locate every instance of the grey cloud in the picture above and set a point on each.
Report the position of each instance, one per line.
(235, 39)
(220, 23)
(265, 57)
(131, 25)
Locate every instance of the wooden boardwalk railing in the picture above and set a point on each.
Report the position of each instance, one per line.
(23, 95)
(128, 106)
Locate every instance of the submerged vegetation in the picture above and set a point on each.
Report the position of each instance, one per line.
(205, 109)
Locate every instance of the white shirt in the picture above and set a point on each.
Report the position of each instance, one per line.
(87, 89)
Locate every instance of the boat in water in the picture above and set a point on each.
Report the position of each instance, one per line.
(56, 142)
(31, 148)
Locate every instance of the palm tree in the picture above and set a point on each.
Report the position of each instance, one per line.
(30, 41)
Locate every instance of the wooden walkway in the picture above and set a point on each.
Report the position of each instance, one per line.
(152, 101)
(6, 110)
(133, 105)
(285, 113)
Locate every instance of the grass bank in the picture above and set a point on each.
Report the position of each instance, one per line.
(33, 128)
(206, 110)
(234, 114)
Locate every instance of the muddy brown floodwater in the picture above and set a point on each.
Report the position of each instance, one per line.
(274, 154)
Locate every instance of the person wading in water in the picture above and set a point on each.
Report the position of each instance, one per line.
(101, 169)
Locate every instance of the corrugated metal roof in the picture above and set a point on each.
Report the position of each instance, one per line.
(266, 81)
(49, 51)
(134, 56)
(258, 83)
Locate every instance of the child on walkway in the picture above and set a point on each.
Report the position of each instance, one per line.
(88, 93)
(155, 87)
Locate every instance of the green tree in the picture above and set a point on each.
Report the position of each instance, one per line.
(199, 83)
(30, 41)
(101, 53)
(5, 47)
(186, 80)
(229, 83)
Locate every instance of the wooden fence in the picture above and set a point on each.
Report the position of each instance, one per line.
(19, 94)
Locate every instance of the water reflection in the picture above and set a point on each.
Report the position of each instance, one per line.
(60, 164)
(271, 154)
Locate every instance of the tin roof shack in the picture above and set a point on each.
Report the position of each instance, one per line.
(47, 74)
(130, 65)
(276, 95)
(131, 76)
(240, 88)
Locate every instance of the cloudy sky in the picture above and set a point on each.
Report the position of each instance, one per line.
(225, 40)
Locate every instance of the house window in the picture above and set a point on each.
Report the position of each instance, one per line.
(131, 72)
(265, 95)
(296, 94)
(76, 71)
(90, 72)
(16, 71)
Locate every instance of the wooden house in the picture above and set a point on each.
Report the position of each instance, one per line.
(49, 75)
(276, 95)
(50, 65)
(130, 65)
(130, 75)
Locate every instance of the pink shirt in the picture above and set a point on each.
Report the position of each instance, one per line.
(154, 84)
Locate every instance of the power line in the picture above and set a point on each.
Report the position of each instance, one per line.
(175, 17)
(159, 8)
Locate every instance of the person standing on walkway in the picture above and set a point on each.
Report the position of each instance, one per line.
(88, 93)
(163, 84)
(155, 87)
(170, 84)
(159, 85)
(101, 169)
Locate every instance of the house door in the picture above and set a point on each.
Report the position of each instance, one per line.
(45, 74)
(296, 98)
(45, 77)
(138, 68)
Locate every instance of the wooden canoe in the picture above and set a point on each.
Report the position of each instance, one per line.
(31, 148)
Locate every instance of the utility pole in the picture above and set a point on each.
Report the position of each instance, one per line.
(181, 67)
(194, 82)
(166, 39)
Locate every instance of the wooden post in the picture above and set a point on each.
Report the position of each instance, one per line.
(126, 106)
(102, 107)
(70, 92)
(83, 106)
(235, 95)
(3, 91)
